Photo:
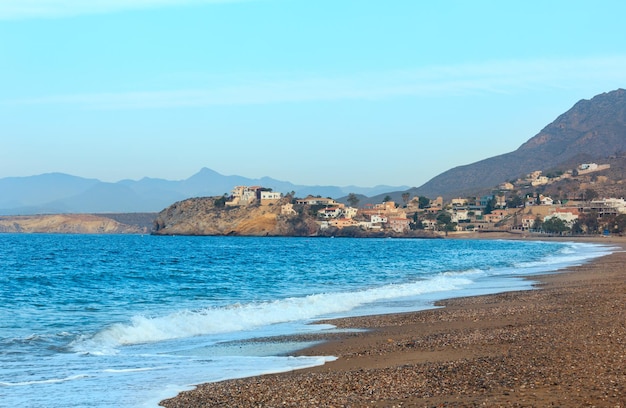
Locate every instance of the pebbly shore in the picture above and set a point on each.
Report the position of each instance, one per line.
(562, 345)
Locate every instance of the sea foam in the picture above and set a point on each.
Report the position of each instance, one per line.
(239, 317)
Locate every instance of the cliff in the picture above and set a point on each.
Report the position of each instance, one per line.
(201, 216)
(67, 224)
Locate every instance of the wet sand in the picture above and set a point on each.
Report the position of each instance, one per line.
(562, 345)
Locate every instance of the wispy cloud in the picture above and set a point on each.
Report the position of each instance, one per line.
(435, 81)
(26, 9)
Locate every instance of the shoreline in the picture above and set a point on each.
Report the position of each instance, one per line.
(562, 345)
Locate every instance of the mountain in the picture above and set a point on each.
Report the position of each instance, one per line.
(55, 193)
(591, 130)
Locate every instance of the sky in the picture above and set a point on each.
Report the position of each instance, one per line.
(324, 92)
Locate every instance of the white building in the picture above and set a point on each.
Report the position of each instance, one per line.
(567, 217)
(270, 195)
(378, 219)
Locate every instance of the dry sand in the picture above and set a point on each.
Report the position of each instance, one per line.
(563, 345)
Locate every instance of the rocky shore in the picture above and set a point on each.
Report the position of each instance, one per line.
(76, 223)
(563, 345)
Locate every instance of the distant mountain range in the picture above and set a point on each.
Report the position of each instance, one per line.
(592, 130)
(54, 193)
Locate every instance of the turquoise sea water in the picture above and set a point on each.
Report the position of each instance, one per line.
(128, 320)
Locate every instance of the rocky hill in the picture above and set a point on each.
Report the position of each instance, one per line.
(591, 130)
(205, 216)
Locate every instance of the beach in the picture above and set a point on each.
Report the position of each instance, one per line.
(561, 345)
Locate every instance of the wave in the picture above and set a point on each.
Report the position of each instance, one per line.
(249, 316)
(240, 317)
(571, 254)
(49, 381)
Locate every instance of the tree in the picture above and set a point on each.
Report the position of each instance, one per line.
(417, 223)
(537, 224)
(444, 221)
(405, 198)
(587, 223)
(620, 224)
(577, 228)
(387, 198)
(491, 205)
(220, 202)
(443, 218)
(423, 202)
(589, 194)
(514, 201)
(555, 225)
(353, 200)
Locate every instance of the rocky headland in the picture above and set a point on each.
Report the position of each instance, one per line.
(68, 224)
(208, 216)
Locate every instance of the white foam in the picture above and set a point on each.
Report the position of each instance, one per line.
(574, 253)
(130, 370)
(241, 317)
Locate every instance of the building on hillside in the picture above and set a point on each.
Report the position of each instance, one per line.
(271, 195)
(458, 202)
(330, 212)
(386, 208)
(484, 200)
(500, 201)
(567, 217)
(588, 166)
(540, 181)
(460, 216)
(530, 200)
(492, 218)
(378, 219)
(430, 225)
(310, 200)
(350, 212)
(287, 209)
(244, 195)
(528, 222)
(338, 223)
(398, 224)
(545, 200)
(606, 206)
(437, 203)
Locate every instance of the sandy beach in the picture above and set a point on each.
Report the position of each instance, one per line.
(562, 345)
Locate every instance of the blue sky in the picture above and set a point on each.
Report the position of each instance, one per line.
(340, 92)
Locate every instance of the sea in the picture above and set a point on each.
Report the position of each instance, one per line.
(129, 320)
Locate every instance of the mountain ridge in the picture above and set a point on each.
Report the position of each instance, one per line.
(60, 193)
(595, 128)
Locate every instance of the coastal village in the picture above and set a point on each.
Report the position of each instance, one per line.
(502, 211)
